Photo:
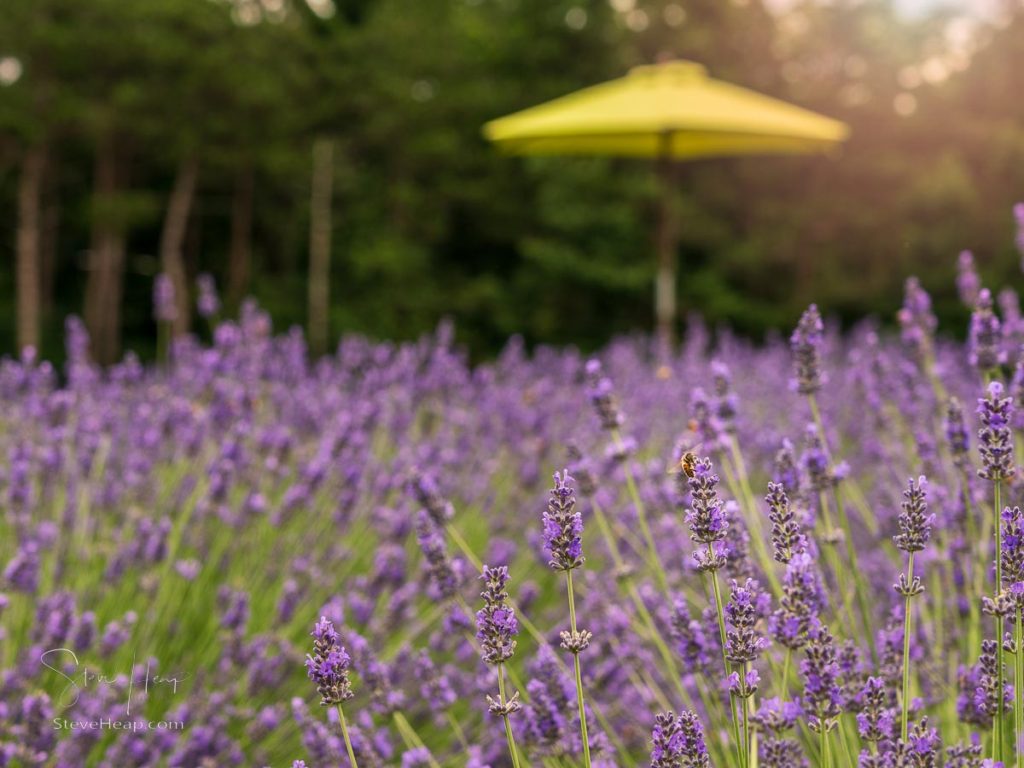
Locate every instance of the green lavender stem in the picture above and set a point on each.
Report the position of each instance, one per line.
(740, 751)
(638, 603)
(844, 521)
(1018, 704)
(846, 723)
(508, 725)
(738, 480)
(973, 639)
(345, 736)
(785, 673)
(906, 649)
(826, 758)
(457, 730)
(531, 628)
(832, 558)
(641, 513)
(409, 734)
(752, 756)
(579, 676)
(477, 563)
(744, 706)
(1000, 724)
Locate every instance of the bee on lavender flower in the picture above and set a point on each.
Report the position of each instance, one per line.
(687, 462)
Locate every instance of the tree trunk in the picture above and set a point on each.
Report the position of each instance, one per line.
(28, 246)
(172, 240)
(104, 284)
(50, 227)
(240, 250)
(320, 245)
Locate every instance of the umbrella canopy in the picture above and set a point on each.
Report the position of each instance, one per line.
(670, 111)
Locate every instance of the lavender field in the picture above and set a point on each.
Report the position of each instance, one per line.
(806, 552)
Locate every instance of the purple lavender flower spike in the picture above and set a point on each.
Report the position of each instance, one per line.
(821, 672)
(956, 434)
(876, 721)
(971, 709)
(772, 720)
(968, 284)
(984, 343)
(742, 643)
(667, 742)
(496, 621)
(706, 515)
(786, 536)
(726, 401)
(917, 321)
(695, 640)
(377, 677)
(1013, 326)
(547, 722)
(418, 757)
(704, 425)
(580, 469)
(429, 497)
(22, 572)
(995, 439)
(815, 461)
(678, 742)
(786, 472)
(1017, 390)
(563, 526)
(442, 577)
(602, 396)
(165, 310)
(435, 685)
(328, 665)
(920, 748)
(964, 756)
(806, 346)
(802, 599)
(1012, 520)
(1018, 215)
(987, 694)
(496, 630)
(207, 301)
(915, 522)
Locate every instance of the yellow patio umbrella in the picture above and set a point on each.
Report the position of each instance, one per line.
(666, 112)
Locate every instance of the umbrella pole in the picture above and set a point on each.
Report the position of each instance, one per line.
(666, 239)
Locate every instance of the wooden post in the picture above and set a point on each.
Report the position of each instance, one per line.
(666, 243)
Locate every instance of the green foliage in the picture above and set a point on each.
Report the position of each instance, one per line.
(431, 221)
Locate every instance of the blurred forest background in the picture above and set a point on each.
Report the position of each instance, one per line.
(236, 136)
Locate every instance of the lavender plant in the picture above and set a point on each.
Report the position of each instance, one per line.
(496, 631)
(678, 742)
(563, 532)
(328, 668)
(915, 530)
(995, 444)
(179, 528)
